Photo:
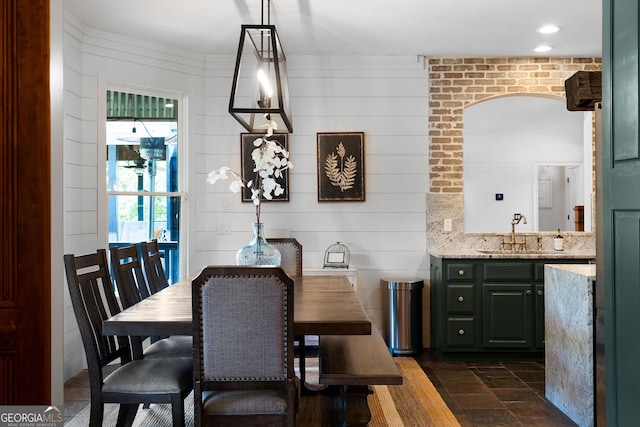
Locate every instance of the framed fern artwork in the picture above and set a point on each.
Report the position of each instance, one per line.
(340, 166)
(248, 164)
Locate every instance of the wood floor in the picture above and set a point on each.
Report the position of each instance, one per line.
(478, 394)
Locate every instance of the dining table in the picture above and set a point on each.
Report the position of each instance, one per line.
(322, 305)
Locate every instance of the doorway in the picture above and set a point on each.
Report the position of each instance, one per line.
(142, 173)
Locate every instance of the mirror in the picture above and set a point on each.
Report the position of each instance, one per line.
(526, 154)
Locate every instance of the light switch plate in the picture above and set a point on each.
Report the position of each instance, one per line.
(448, 224)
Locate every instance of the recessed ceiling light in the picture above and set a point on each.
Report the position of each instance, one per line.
(543, 48)
(549, 29)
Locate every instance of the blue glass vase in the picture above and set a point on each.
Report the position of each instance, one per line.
(258, 252)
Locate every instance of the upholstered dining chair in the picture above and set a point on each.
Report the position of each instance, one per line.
(291, 255)
(243, 337)
(152, 380)
(153, 268)
(291, 262)
(133, 288)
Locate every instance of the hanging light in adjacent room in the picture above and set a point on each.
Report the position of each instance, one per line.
(260, 90)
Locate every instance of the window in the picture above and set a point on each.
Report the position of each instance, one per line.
(142, 173)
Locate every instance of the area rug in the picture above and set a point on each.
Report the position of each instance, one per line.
(415, 403)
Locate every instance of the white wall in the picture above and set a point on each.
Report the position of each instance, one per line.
(92, 61)
(383, 96)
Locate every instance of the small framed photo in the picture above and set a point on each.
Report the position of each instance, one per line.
(340, 166)
(247, 165)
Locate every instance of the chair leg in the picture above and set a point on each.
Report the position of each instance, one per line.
(302, 354)
(177, 410)
(127, 414)
(96, 414)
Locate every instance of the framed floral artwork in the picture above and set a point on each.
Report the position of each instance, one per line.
(340, 166)
(247, 166)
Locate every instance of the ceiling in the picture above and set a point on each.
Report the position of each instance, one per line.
(347, 27)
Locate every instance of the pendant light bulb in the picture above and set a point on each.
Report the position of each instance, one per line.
(266, 91)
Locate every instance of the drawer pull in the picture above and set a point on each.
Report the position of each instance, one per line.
(461, 298)
(528, 291)
(539, 292)
(461, 272)
(460, 331)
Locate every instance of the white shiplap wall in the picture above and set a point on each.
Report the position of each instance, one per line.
(94, 60)
(383, 96)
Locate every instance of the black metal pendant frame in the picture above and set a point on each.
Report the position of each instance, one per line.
(259, 47)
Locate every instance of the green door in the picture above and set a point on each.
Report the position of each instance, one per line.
(621, 211)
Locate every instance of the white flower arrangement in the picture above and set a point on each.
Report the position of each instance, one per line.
(270, 159)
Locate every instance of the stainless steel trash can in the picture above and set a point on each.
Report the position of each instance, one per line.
(403, 315)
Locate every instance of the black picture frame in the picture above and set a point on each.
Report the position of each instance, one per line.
(341, 169)
(247, 165)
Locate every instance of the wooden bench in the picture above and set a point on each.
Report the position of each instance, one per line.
(355, 363)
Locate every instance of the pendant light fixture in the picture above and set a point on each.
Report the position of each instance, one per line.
(260, 91)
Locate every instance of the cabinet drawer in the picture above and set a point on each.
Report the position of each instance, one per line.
(461, 332)
(461, 298)
(459, 272)
(508, 271)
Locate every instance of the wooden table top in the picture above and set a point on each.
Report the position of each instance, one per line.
(323, 305)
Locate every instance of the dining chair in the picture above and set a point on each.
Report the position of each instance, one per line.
(153, 268)
(291, 262)
(243, 337)
(132, 288)
(291, 254)
(146, 381)
(128, 274)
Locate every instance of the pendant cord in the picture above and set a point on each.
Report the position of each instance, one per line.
(268, 13)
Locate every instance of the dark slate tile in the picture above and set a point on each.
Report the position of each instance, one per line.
(477, 401)
(530, 376)
(517, 395)
(491, 418)
(524, 366)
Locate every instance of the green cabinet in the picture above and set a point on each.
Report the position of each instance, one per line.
(506, 316)
(483, 306)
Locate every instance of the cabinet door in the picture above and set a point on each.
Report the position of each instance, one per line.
(539, 298)
(506, 316)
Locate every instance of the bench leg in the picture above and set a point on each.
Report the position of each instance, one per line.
(356, 407)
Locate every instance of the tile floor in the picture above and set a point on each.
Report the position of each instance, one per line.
(493, 394)
(478, 394)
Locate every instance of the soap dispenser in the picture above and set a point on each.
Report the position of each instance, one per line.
(558, 242)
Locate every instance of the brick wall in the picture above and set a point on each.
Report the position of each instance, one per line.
(456, 83)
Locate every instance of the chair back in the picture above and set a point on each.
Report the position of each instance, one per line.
(93, 300)
(127, 271)
(153, 268)
(242, 330)
(291, 255)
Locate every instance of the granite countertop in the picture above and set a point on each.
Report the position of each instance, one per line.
(508, 254)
